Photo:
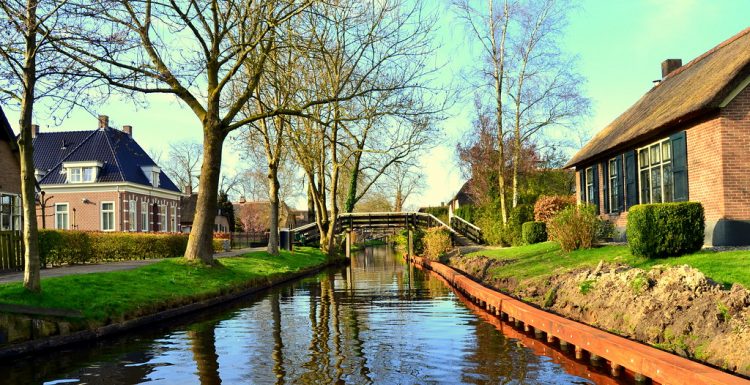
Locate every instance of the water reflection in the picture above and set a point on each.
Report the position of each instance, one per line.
(376, 321)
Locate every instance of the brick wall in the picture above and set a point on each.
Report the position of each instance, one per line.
(735, 149)
(705, 179)
(87, 216)
(10, 172)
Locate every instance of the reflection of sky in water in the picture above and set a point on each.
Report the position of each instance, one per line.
(370, 329)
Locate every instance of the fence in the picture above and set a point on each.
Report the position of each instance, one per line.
(11, 251)
(248, 239)
(467, 229)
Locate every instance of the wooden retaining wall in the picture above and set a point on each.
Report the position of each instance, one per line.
(662, 367)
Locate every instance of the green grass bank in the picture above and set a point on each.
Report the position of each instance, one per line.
(542, 260)
(110, 297)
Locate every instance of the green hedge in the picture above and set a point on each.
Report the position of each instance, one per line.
(534, 232)
(467, 213)
(665, 229)
(57, 247)
(439, 212)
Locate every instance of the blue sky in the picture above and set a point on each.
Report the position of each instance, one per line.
(620, 45)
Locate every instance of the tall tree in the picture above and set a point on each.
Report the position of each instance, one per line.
(490, 26)
(29, 71)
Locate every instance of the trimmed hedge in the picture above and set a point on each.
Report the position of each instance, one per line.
(665, 229)
(534, 232)
(57, 247)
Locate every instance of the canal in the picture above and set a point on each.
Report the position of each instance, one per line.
(374, 322)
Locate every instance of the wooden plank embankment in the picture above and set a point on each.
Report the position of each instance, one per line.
(662, 367)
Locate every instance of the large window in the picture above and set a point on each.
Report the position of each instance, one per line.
(655, 172)
(144, 216)
(132, 216)
(61, 216)
(81, 174)
(173, 213)
(108, 216)
(163, 218)
(615, 179)
(590, 186)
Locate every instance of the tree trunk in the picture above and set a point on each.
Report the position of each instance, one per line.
(310, 202)
(499, 73)
(31, 277)
(273, 194)
(351, 195)
(399, 204)
(200, 242)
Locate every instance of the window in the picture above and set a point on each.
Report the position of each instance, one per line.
(132, 216)
(163, 218)
(10, 212)
(655, 172)
(61, 216)
(108, 216)
(89, 174)
(155, 178)
(74, 175)
(174, 219)
(144, 216)
(615, 180)
(590, 187)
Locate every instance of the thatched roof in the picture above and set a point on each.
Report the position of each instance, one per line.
(691, 91)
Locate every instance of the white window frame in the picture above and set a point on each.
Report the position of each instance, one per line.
(587, 182)
(66, 213)
(173, 218)
(155, 178)
(144, 216)
(75, 175)
(101, 215)
(92, 176)
(132, 215)
(613, 182)
(163, 218)
(651, 166)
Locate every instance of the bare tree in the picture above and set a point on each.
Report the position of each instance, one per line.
(29, 71)
(183, 163)
(403, 180)
(490, 27)
(544, 90)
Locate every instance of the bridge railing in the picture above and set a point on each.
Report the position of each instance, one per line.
(467, 229)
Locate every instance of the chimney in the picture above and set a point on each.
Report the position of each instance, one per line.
(103, 121)
(128, 130)
(242, 199)
(188, 187)
(669, 65)
(34, 130)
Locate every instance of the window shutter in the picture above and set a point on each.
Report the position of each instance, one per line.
(605, 186)
(620, 185)
(631, 178)
(582, 175)
(595, 199)
(679, 166)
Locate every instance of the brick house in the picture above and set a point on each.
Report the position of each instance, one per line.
(10, 178)
(102, 180)
(687, 138)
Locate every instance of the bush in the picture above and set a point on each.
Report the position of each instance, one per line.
(512, 233)
(437, 242)
(546, 207)
(402, 241)
(57, 247)
(534, 232)
(467, 213)
(665, 229)
(575, 227)
(439, 212)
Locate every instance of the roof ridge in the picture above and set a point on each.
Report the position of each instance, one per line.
(114, 154)
(708, 53)
(86, 139)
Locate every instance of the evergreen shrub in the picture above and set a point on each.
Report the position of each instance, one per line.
(665, 229)
(534, 232)
(437, 242)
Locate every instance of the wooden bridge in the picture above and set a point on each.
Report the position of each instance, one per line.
(349, 222)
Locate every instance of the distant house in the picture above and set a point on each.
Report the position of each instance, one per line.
(10, 178)
(686, 139)
(462, 198)
(187, 209)
(102, 180)
(255, 216)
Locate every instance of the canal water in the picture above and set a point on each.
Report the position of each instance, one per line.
(377, 321)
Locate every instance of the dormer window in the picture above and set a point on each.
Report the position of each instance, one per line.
(82, 172)
(152, 174)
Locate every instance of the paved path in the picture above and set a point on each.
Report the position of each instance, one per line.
(111, 266)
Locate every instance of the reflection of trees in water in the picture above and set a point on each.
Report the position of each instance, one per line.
(278, 343)
(203, 345)
(496, 359)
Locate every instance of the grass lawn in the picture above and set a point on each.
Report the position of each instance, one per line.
(131, 293)
(542, 259)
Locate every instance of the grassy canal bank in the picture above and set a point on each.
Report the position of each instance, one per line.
(86, 306)
(696, 305)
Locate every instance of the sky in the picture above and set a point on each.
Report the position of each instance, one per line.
(620, 45)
